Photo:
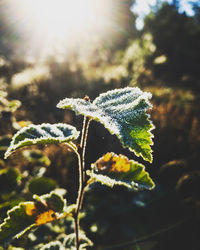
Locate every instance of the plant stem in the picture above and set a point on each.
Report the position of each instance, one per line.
(86, 124)
(82, 179)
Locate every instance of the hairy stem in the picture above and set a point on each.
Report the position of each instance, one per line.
(82, 177)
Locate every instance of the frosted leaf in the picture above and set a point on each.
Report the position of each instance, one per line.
(29, 214)
(112, 169)
(42, 134)
(70, 239)
(124, 113)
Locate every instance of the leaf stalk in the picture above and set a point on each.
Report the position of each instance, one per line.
(82, 177)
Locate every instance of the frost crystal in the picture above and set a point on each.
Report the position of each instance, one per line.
(124, 113)
(42, 134)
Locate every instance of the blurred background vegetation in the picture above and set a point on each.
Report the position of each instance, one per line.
(51, 51)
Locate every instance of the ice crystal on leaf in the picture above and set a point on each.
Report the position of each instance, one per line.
(42, 134)
(124, 113)
(112, 169)
(29, 214)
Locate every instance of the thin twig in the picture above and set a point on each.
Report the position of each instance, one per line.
(82, 177)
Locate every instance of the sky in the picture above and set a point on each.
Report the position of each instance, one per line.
(142, 8)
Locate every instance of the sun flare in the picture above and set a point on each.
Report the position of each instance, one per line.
(56, 16)
(58, 21)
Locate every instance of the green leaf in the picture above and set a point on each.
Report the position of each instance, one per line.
(36, 157)
(30, 214)
(9, 179)
(16, 222)
(69, 241)
(53, 245)
(41, 185)
(112, 169)
(42, 134)
(124, 113)
(55, 201)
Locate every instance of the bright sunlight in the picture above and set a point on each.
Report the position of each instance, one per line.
(55, 22)
(63, 16)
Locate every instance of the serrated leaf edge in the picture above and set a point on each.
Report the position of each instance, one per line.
(101, 113)
(106, 180)
(9, 218)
